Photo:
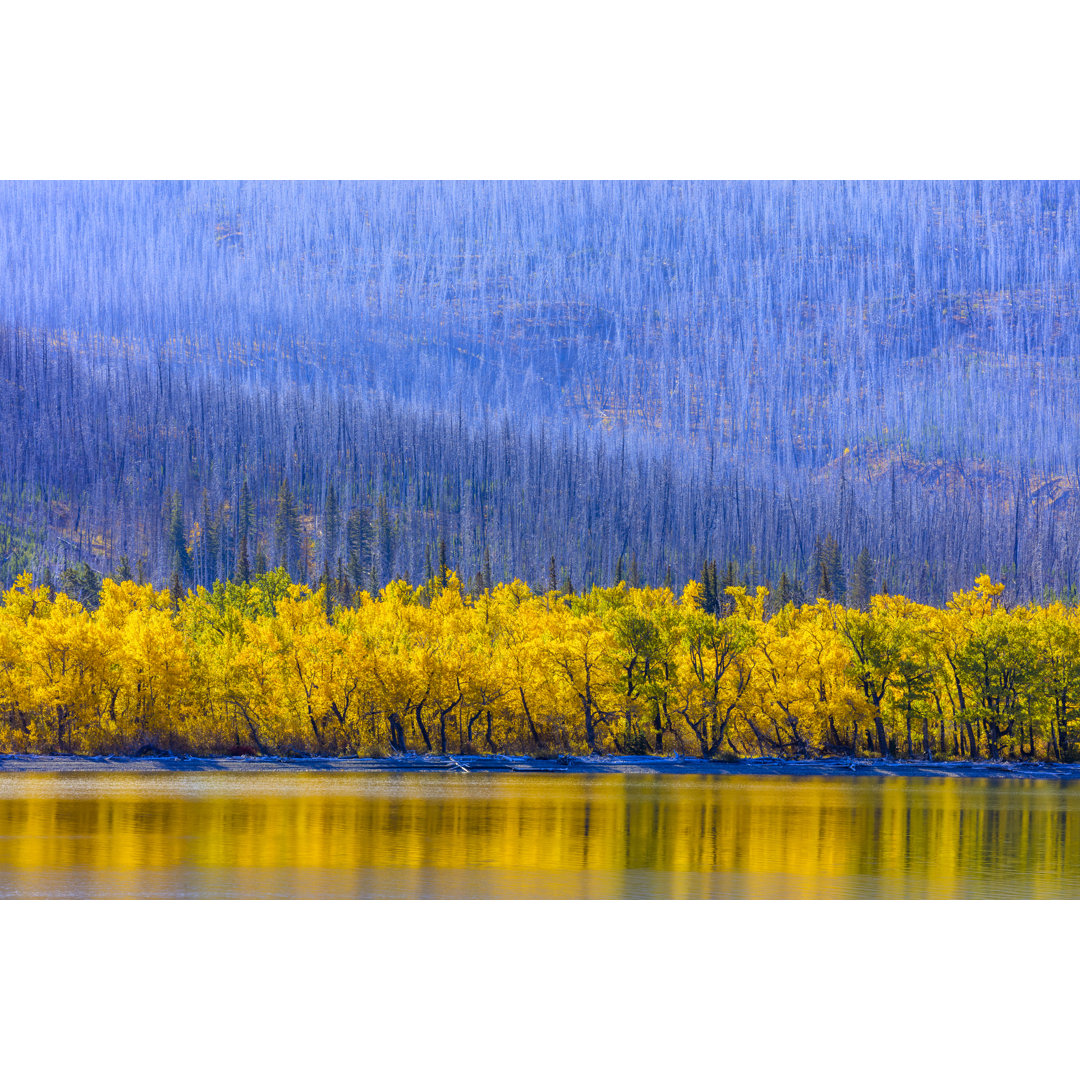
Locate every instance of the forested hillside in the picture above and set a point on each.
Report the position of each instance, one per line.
(571, 384)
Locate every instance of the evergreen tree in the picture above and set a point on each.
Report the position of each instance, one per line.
(725, 605)
(178, 551)
(287, 531)
(47, 580)
(123, 569)
(834, 564)
(175, 588)
(243, 568)
(81, 582)
(260, 560)
(798, 592)
(862, 580)
(708, 587)
(444, 570)
(828, 570)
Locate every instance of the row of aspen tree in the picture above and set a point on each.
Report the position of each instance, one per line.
(271, 668)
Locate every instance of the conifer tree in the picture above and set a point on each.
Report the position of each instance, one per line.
(834, 563)
(725, 605)
(243, 568)
(708, 586)
(862, 580)
(178, 551)
(287, 530)
(246, 522)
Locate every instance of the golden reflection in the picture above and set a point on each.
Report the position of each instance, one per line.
(311, 835)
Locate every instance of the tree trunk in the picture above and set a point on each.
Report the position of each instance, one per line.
(973, 743)
(397, 734)
(423, 730)
(883, 742)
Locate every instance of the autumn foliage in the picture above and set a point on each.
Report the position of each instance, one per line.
(266, 669)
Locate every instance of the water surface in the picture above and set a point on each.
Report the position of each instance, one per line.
(312, 835)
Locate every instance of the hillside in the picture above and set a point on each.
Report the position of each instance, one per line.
(587, 374)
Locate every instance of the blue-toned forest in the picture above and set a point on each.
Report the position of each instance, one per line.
(570, 383)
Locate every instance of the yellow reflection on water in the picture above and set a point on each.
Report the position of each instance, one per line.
(520, 836)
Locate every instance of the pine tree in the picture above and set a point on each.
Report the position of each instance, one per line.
(725, 604)
(862, 580)
(834, 564)
(444, 570)
(123, 569)
(81, 582)
(260, 560)
(47, 581)
(287, 531)
(178, 551)
(820, 570)
(243, 568)
(708, 588)
(798, 592)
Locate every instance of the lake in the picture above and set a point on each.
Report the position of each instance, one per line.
(392, 835)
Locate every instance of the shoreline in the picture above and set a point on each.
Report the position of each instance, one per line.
(629, 765)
